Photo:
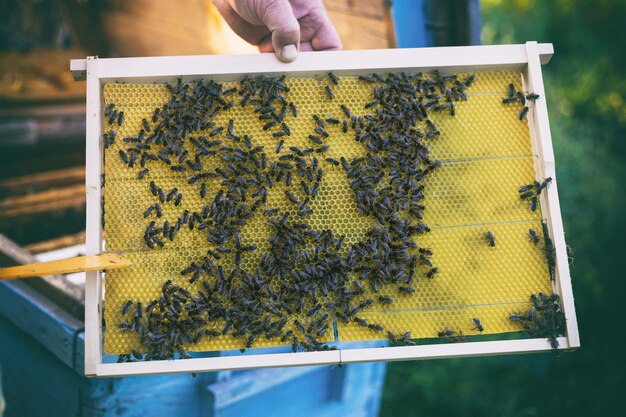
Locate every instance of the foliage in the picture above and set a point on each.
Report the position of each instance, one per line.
(586, 94)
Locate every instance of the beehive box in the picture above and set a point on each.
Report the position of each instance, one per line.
(486, 154)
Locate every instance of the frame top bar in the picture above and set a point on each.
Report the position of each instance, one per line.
(454, 58)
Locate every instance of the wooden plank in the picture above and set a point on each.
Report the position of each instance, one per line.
(28, 366)
(43, 208)
(360, 32)
(443, 351)
(93, 279)
(550, 206)
(50, 203)
(100, 262)
(58, 243)
(48, 178)
(12, 203)
(240, 362)
(247, 385)
(230, 67)
(374, 9)
(44, 320)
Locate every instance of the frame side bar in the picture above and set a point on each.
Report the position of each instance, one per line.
(551, 204)
(93, 282)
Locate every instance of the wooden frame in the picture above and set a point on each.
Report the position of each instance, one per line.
(526, 58)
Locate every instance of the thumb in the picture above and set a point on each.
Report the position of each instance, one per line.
(278, 16)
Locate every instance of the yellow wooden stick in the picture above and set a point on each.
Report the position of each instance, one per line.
(102, 261)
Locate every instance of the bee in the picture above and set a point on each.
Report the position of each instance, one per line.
(375, 327)
(333, 79)
(145, 124)
(279, 147)
(532, 97)
(406, 290)
(109, 109)
(142, 173)
(170, 196)
(120, 118)
(332, 161)
(517, 317)
(477, 325)
(570, 254)
(156, 114)
(533, 203)
(446, 333)
(108, 139)
(112, 117)
(425, 251)
(291, 197)
(523, 113)
(329, 93)
(424, 260)
(216, 131)
(543, 185)
(151, 306)
(360, 321)
(346, 111)
(491, 239)
(534, 237)
(385, 300)
(126, 307)
(322, 149)
(431, 273)
(526, 195)
(148, 212)
(292, 109)
(124, 157)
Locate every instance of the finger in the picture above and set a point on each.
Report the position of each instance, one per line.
(249, 32)
(306, 47)
(266, 46)
(326, 37)
(278, 16)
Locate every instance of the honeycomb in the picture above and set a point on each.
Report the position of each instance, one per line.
(485, 153)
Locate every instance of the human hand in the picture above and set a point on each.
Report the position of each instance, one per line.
(281, 26)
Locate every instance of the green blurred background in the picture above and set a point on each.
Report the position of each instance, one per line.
(586, 90)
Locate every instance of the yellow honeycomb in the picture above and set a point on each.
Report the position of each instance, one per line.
(486, 156)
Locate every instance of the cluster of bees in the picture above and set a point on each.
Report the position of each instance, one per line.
(321, 279)
(515, 96)
(544, 319)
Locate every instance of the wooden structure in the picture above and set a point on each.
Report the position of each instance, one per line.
(525, 58)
